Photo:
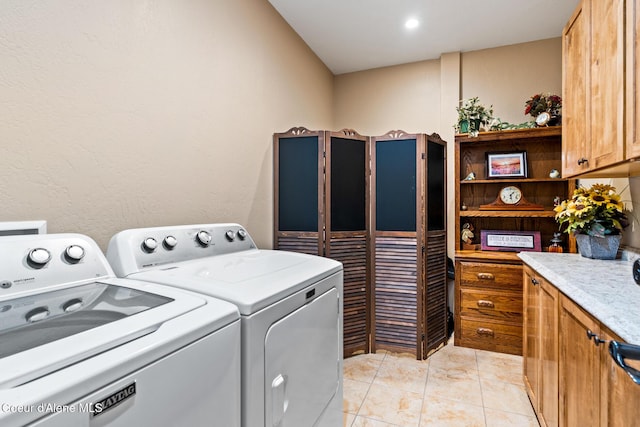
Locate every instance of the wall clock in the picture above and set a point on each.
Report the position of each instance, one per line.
(511, 197)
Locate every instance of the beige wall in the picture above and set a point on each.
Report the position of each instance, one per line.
(126, 113)
(508, 76)
(373, 102)
(422, 96)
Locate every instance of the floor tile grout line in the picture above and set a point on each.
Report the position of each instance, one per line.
(484, 412)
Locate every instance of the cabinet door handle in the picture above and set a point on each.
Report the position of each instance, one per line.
(485, 332)
(485, 303)
(596, 339)
(582, 160)
(535, 281)
(485, 276)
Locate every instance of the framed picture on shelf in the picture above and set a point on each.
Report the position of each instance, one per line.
(510, 241)
(507, 165)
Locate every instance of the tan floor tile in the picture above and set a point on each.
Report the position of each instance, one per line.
(392, 406)
(505, 397)
(438, 412)
(368, 422)
(459, 385)
(347, 419)
(500, 367)
(497, 418)
(362, 368)
(403, 373)
(354, 393)
(452, 357)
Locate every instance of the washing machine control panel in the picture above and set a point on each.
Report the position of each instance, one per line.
(34, 262)
(128, 252)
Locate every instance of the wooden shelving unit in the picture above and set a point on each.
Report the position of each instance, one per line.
(488, 306)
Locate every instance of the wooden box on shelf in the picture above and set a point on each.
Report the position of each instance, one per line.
(521, 201)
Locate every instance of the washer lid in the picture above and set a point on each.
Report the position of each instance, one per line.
(251, 279)
(47, 331)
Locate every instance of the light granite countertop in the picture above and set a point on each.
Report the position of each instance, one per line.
(605, 289)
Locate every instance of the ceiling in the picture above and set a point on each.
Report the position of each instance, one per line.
(355, 35)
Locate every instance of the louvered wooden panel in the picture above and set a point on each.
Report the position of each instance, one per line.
(351, 250)
(303, 243)
(436, 290)
(395, 284)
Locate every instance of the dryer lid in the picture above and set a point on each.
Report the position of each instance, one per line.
(252, 280)
(44, 332)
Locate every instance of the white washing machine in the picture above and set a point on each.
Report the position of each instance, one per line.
(290, 307)
(80, 347)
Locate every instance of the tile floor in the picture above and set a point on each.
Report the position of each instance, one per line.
(455, 386)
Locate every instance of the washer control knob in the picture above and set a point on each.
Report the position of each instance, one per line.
(242, 234)
(149, 244)
(203, 237)
(39, 256)
(170, 242)
(72, 305)
(74, 253)
(230, 235)
(37, 314)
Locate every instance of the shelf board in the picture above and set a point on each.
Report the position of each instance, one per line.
(502, 135)
(509, 181)
(507, 214)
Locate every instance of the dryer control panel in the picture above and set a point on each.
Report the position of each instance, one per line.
(135, 250)
(35, 262)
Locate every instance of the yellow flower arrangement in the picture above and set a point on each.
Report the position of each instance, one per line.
(596, 211)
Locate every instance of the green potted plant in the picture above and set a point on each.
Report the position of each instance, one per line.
(472, 115)
(596, 217)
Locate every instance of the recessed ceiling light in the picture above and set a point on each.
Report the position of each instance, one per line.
(411, 23)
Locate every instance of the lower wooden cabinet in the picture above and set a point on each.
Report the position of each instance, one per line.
(569, 375)
(580, 361)
(540, 346)
(489, 306)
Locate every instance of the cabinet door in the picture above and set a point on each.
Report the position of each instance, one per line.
(579, 368)
(530, 348)
(548, 332)
(607, 82)
(620, 394)
(633, 79)
(575, 84)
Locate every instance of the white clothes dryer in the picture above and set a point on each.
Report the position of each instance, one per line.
(80, 347)
(290, 307)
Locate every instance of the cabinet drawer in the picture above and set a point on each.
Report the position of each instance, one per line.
(492, 336)
(483, 275)
(493, 304)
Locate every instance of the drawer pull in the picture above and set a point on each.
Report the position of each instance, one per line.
(485, 332)
(485, 276)
(485, 303)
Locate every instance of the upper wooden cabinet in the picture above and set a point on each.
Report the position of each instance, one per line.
(632, 91)
(575, 83)
(595, 42)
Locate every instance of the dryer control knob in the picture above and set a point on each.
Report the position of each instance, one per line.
(203, 237)
(242, 234)
(39, 256)
(149, 244)
(170, 242)
(230, 235)
(74, 253)
(37, 314)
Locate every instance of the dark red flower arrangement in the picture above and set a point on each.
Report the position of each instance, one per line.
(543, 102)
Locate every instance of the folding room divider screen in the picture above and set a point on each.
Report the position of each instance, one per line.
(377, 204)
